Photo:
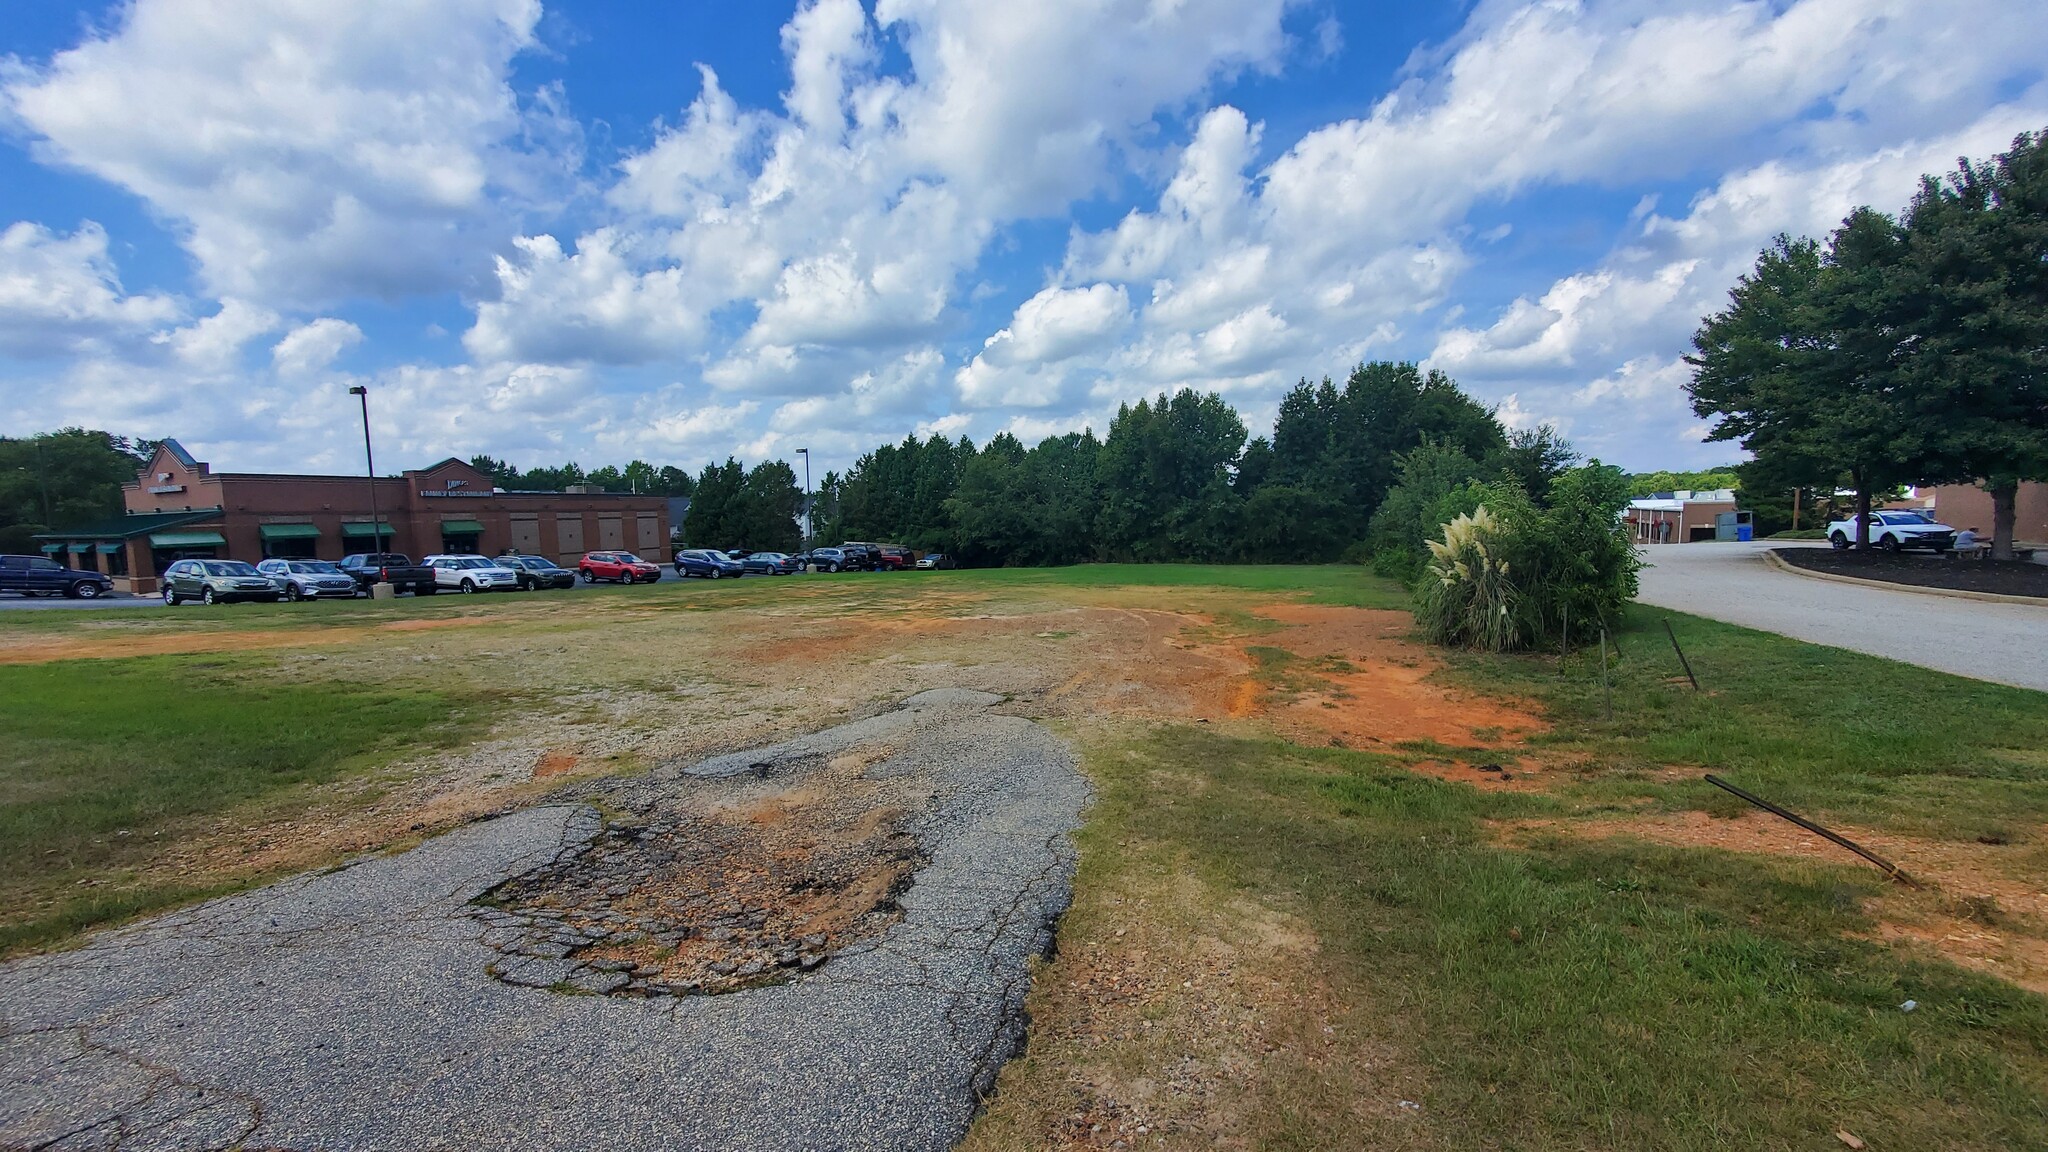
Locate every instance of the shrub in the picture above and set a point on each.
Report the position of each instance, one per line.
(1571, 560)
(1465, 597)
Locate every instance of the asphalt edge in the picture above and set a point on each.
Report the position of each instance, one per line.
(1772, 558)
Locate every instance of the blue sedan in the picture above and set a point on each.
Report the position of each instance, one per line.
(707, 562)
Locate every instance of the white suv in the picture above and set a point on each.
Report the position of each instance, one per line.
(1892, 531)
(471, 573)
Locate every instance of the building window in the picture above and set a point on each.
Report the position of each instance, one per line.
(294, 548)
(460, 542)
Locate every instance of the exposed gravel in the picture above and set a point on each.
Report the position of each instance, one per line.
(359, 1009)
(2003, 643)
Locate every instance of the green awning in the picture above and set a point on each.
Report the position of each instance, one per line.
(288, 531)
(459, 527)
(110, 549)
(362, 529)
(78, 549)
(52, 549)
(187, 540)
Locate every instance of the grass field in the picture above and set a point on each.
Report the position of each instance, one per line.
(107, 761)
(1276, 941)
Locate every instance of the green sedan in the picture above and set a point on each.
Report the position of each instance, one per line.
(216, 582)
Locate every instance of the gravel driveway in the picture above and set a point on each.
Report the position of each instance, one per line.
(364, 1008)
(2004, 643)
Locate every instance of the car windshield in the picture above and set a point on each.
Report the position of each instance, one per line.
(230, 568)
(629, 558)
(471, 562)
(315, 568)
(715, 554)
(1905, 518)
(767, 555)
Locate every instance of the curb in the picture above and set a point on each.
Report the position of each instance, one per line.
(1772, 558)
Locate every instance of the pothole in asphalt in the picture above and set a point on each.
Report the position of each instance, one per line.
(758, 889)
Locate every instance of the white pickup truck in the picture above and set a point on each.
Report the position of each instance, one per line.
(1892, 531)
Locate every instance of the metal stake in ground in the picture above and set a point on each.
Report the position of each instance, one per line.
(1682, 661)
(1564, 646)
(1891, 869)
(1606, 693)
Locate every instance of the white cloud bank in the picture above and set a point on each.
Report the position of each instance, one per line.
(769, 277)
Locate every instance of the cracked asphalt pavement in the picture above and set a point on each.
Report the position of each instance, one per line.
(356, 1008)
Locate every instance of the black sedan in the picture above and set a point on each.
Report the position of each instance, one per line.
(771, 563)
(537, 572)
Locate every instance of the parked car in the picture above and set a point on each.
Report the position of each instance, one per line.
(770, 563)
(537, 572)
(393, 568)
(618, 567)
(1892, 531)
(826, 559)
(897, 557)
(216, 582)
(860, 557)
(937, 560)
(42, 576)
(469, 573)
(310, 579)
(737, 553)
(709, 562)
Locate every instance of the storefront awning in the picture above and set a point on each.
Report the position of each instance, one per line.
(80, 549)
(460, 527)
(109, 549)
(289, 531)
(187, 540)
(363, 530)
(52, 549)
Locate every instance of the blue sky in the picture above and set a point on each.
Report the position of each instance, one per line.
(674, 231)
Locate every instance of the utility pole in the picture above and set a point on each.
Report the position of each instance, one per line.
(43, 480)
(806, 454)
(370, 463)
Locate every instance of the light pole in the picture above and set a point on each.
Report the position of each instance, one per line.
(370, 463)
(806, 454)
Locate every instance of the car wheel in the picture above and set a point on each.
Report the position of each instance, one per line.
(171, 596)
(627, 577)
(468, 586)
(716, 574)
(680, 572)
(1888, 543)
(1838, 541)
(587, 577)
(206, 597)
(292, 593)
(85, 590)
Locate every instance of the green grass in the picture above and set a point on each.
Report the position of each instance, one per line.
(104, 764)
(1587, 996)
(1821, 730)
(1343, 584)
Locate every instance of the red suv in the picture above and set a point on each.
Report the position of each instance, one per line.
(618, 567)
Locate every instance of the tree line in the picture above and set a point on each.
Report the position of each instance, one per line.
(1178, 477)
(1907, 349)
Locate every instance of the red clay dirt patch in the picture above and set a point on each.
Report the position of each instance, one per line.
(1973, 908)
(736, 896)
(1368, 684)
(554, 763)
(103, 646)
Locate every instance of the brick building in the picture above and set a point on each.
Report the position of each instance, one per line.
(179, 507)
(1968, 506)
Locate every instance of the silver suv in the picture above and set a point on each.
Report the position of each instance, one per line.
(309, 579)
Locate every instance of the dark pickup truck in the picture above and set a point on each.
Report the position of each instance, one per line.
(40, 576)
(394, 568)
